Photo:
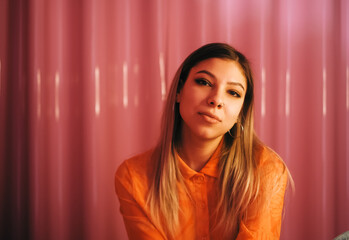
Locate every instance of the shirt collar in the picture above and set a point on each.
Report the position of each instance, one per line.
(210, 169)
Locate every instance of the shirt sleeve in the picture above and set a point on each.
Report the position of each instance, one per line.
(265, 214)
(137, 223)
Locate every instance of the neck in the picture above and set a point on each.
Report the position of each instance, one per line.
(196, 151)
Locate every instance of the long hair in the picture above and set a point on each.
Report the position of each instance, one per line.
(238, 179)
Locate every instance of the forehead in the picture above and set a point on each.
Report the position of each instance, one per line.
(221, 68)
(216, 62)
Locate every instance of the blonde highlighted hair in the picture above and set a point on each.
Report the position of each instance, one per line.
(238, 179)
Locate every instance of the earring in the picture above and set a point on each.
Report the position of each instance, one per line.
(242, 127)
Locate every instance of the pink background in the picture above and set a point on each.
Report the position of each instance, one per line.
(82, 85)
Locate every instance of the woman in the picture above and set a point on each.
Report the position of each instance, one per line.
(209, 177)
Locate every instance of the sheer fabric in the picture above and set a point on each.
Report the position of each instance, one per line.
(198, 201)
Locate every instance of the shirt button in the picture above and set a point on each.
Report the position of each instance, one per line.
(199, 179)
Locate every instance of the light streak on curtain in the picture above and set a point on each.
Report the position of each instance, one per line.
(82, 85)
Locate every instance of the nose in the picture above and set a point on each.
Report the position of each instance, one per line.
(215, 100)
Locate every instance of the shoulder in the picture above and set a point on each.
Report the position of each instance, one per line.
(140, 165)
(271, 169)
(268, 160)
(136, 171)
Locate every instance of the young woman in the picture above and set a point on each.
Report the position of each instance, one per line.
(209, 177)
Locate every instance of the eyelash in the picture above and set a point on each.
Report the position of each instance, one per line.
(234, 93)
(204, 82)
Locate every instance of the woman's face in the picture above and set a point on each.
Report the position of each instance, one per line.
(212, 97)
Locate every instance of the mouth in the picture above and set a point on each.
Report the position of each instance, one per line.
(209, 117)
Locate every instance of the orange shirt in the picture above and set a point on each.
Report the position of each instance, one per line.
(133, 179)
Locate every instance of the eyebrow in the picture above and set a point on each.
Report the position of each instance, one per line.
(213, 76)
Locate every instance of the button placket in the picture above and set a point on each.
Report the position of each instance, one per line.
(200, 197)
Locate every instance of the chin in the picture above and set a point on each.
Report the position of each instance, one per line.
(209, 135)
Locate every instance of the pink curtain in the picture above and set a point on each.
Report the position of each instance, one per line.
(82, 85)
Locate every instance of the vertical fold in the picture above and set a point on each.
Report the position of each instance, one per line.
(3, 110)
(16, 208)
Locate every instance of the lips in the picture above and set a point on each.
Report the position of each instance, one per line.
(209, 117)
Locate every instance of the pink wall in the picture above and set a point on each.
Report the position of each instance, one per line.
(82, 85)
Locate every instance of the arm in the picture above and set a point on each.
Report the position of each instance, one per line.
(137, 223)
(265, 214)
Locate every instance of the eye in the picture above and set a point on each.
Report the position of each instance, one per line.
(203, 82)
(234, 93)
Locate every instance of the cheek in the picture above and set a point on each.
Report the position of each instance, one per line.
(232, 121)
(192, 97)
(233, 113)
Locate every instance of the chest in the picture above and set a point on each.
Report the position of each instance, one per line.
(198, 204)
